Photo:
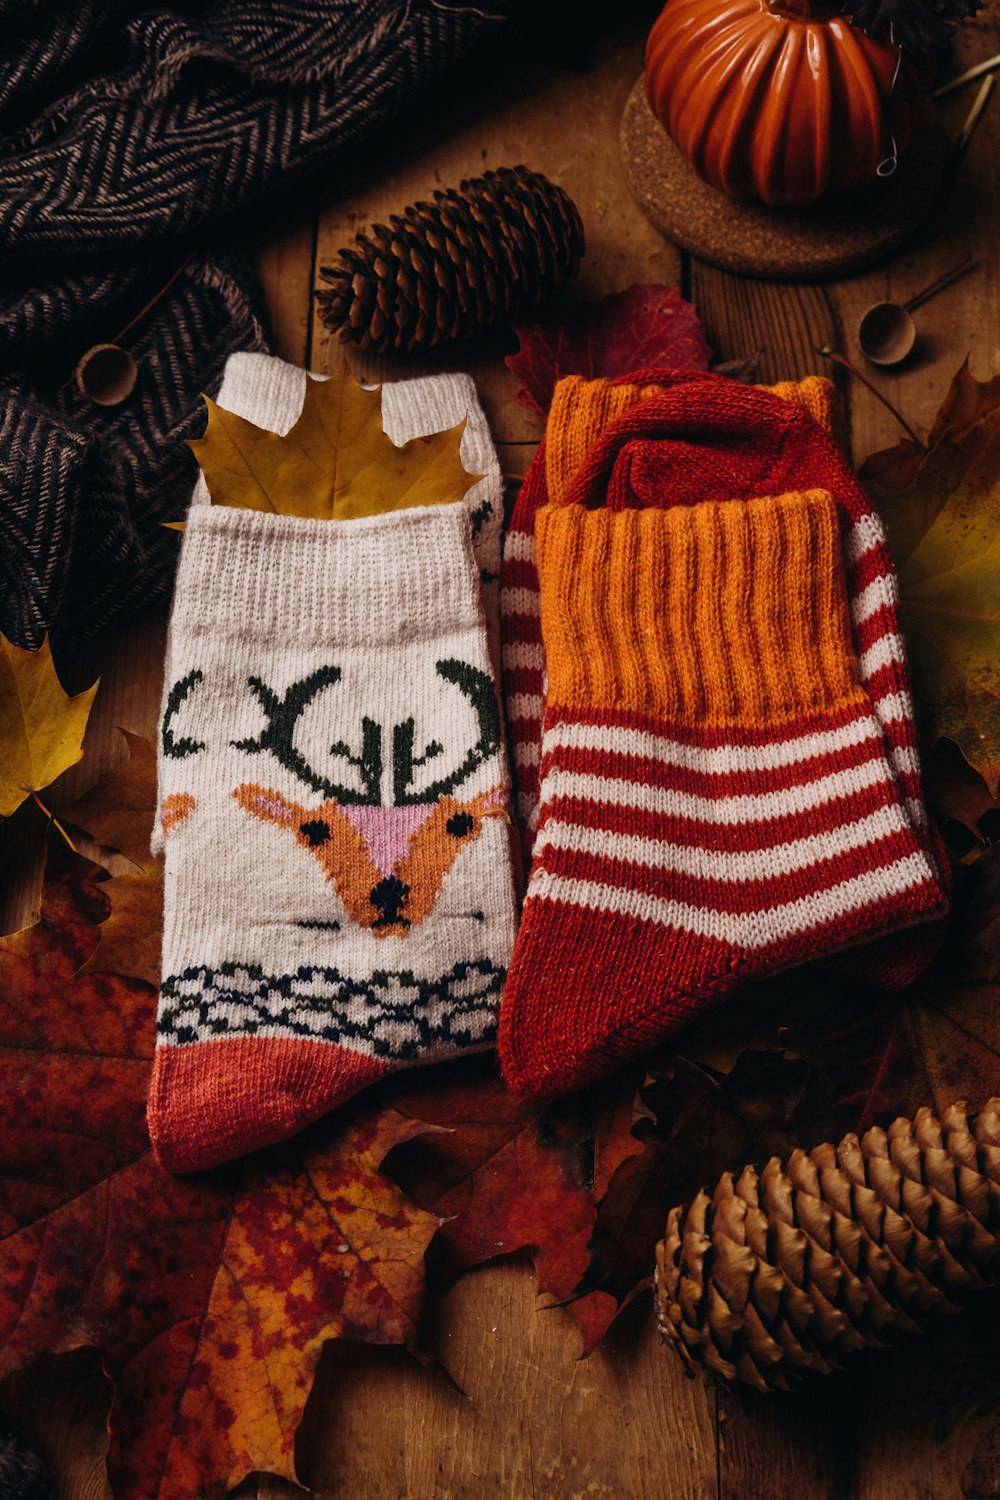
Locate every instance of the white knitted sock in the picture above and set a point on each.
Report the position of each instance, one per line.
(269, 392)
(339, 885)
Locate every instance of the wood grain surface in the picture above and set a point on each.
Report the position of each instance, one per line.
(525, 1419)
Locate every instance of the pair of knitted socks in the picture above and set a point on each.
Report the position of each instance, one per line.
(333, 793)
(716, 760)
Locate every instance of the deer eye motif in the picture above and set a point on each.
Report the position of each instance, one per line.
(386, 860)
(387, 863)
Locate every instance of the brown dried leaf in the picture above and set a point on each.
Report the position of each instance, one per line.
(118, 814)
(941, 506)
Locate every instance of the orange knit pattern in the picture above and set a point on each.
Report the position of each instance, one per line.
(682, 612)
(717, 801)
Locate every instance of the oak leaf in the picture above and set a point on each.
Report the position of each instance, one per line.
(942, 507)
(511, 1175)
(209, 1297)
(41, 726)
(644, 327)
(336, 462)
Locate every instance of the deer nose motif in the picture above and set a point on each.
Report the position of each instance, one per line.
(387, 863)
(387, 832)
(388, 898)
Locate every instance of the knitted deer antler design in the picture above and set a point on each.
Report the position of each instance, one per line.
(283, 715)
(387, 861)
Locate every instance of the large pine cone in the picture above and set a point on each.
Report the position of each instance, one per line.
(790, 1272)
(444, 270)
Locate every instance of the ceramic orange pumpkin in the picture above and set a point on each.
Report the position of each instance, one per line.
(768, 100)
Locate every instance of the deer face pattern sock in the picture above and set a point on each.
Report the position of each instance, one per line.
(716, 801)
(269, 392)
(582, 413)
(338, 881)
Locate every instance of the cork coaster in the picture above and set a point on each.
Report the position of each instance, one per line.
(839, 234)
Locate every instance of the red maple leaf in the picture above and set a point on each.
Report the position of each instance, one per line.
(510, 1175)
(644, 327)
(210, 1297)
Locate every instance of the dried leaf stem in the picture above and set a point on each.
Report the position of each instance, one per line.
(826, 352)
(54, 821)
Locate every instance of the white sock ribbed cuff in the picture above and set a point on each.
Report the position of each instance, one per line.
(402, 576)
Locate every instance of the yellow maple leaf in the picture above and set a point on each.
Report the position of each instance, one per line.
(41, 726)
(336, 463)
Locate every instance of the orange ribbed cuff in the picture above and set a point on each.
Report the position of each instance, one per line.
(725, 612)
(582, 411)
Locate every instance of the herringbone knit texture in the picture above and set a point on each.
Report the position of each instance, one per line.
(124, 130)
(84, 490)
(338, 886)
(716, 799)
(160, 121)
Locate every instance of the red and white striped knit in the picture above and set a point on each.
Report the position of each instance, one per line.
(705, 437)
(717, 801)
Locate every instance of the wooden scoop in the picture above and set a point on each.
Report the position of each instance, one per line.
(887, 332)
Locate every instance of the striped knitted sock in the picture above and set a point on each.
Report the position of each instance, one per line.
(641, 461)
(716, 800)
(698, 437)
(582, 412)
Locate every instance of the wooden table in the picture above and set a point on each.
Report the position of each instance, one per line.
(920, 1423)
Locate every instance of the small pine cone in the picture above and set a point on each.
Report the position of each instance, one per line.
(444, 270)
(795, 1270)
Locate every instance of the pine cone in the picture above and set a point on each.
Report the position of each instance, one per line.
(790, 1272)
(444, 270)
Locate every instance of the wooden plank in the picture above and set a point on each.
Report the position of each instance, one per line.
(512, 108)
(782, 323)
(789, 1447)
(60, 1407)
(529, 1421)
(929, 1413)
(283, 248)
